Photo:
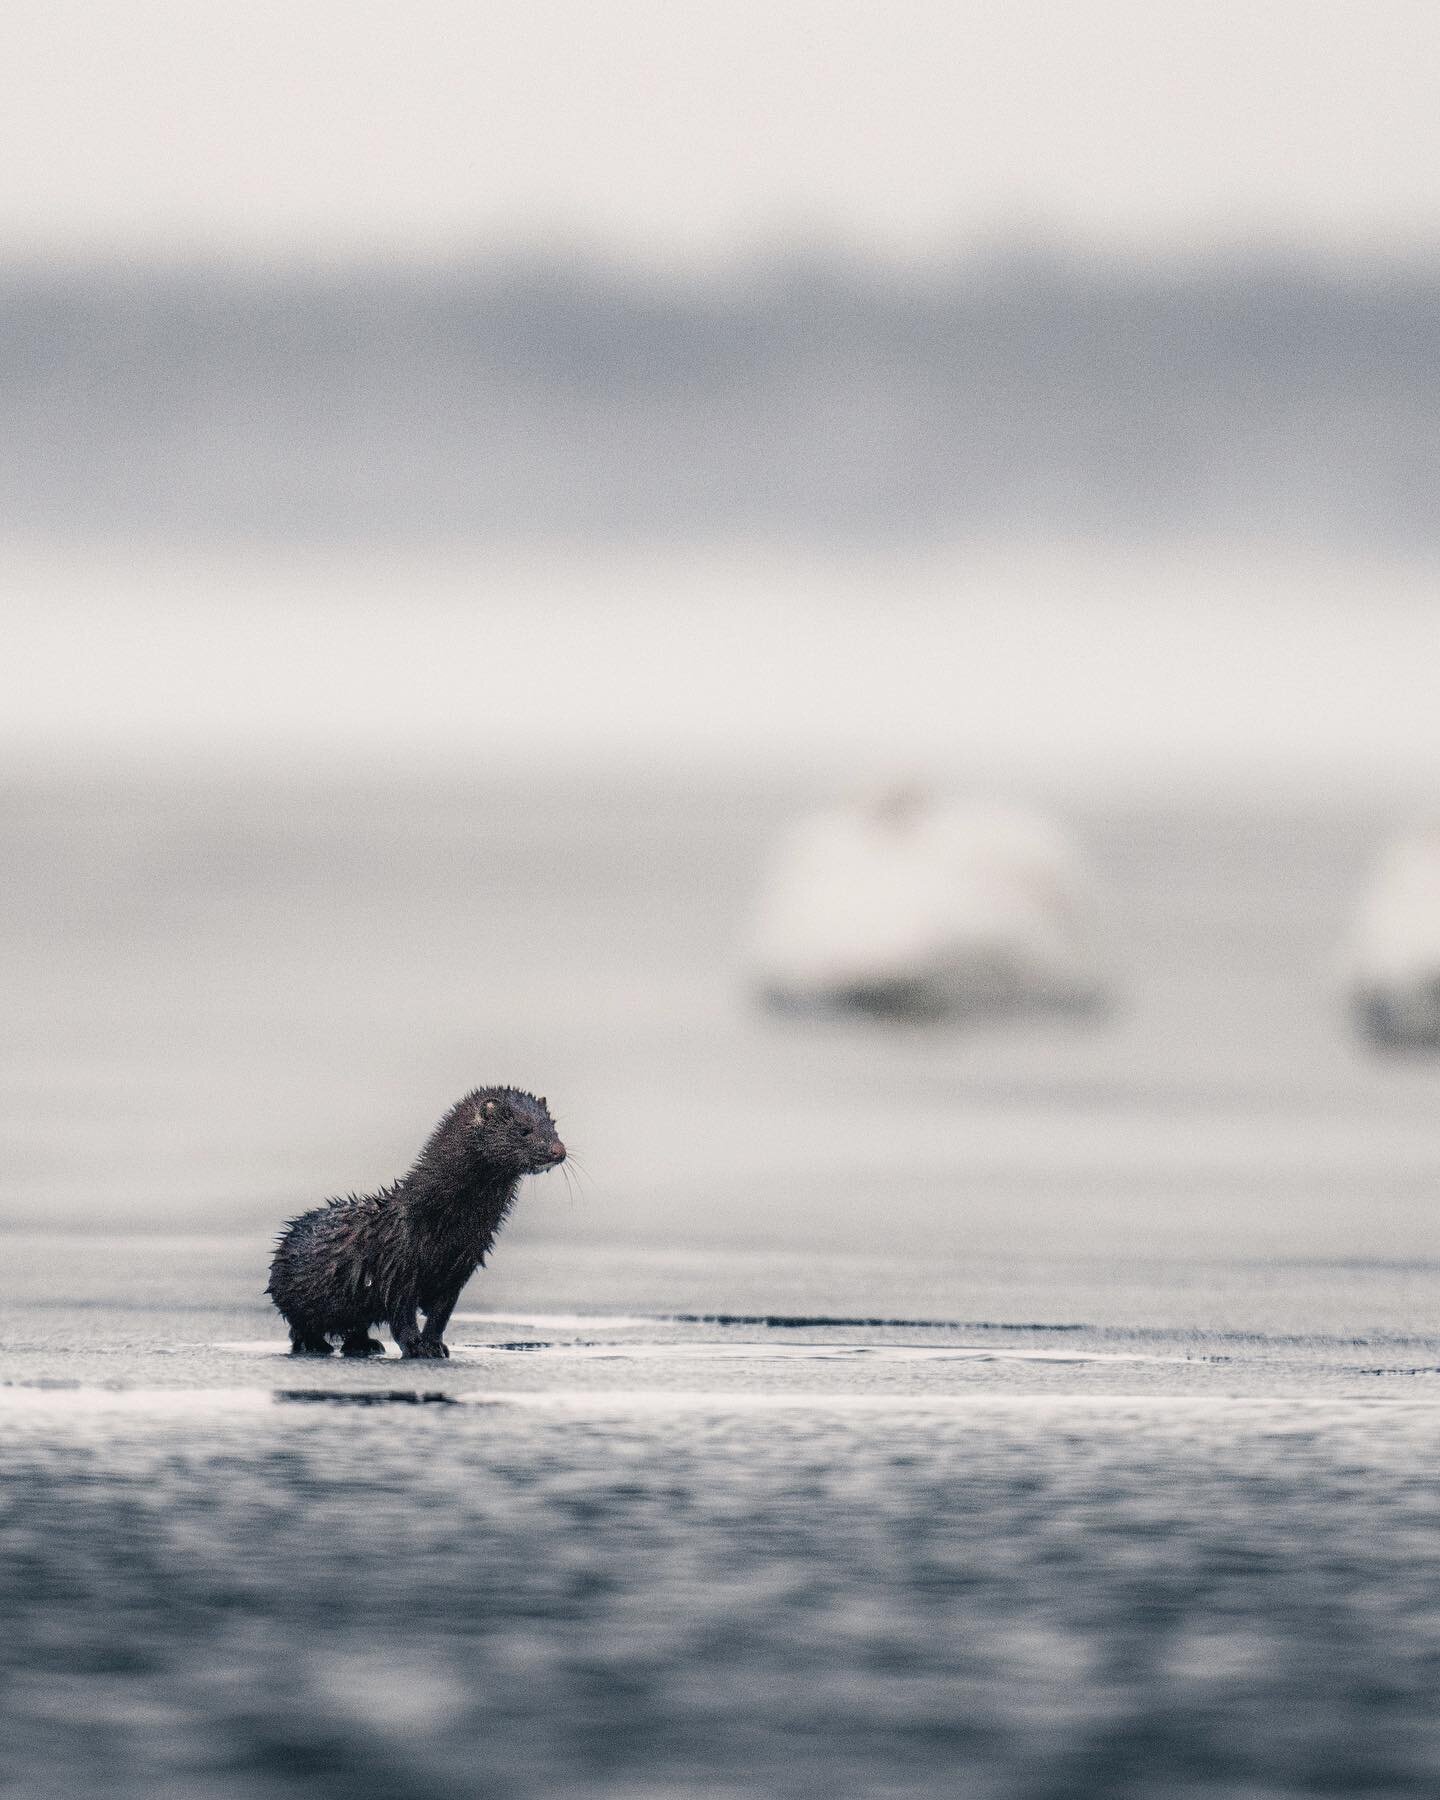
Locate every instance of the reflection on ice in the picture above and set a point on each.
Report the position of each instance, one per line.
(821, 1352)
(1394, 957)
(371, 1397)
(728, 1348)
(908, 904)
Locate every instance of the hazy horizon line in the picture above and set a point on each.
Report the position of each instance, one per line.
(1021, 246)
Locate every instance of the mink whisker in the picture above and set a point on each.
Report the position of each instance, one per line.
(582, 1174)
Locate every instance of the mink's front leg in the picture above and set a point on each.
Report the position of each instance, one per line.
(405, 1329)
(437, 1317)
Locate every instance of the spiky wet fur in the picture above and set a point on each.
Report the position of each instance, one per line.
(379, 1259)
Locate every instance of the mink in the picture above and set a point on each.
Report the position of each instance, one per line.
(381, 1259)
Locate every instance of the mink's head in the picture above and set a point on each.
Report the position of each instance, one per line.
(515, 1131)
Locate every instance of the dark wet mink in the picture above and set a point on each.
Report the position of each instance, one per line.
(381, 1259)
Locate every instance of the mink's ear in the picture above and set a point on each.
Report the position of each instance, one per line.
(488, 1109)
(545, 1103)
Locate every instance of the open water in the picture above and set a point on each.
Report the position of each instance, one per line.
(1023, 1412)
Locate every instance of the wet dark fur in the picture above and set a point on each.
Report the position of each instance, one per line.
(380, 1259)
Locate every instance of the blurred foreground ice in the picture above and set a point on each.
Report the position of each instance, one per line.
(308, 1601)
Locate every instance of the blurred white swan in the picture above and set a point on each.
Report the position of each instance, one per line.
(906, 904)
(1393, 960)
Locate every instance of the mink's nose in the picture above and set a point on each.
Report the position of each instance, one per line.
(556, 1152)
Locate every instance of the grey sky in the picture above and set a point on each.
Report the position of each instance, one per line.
(679, 129)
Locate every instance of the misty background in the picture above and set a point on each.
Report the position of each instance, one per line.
(999, 390)
(811, 398)
(468, 467)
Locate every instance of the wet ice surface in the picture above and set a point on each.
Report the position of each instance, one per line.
(153, 1311)
(640, 1551)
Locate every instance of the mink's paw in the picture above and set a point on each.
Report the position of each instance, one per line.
(430, 1350)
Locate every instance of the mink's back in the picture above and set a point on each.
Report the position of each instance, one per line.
(334, 1265)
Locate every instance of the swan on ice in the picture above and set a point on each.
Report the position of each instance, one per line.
(1393, 965)
(906, 904)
